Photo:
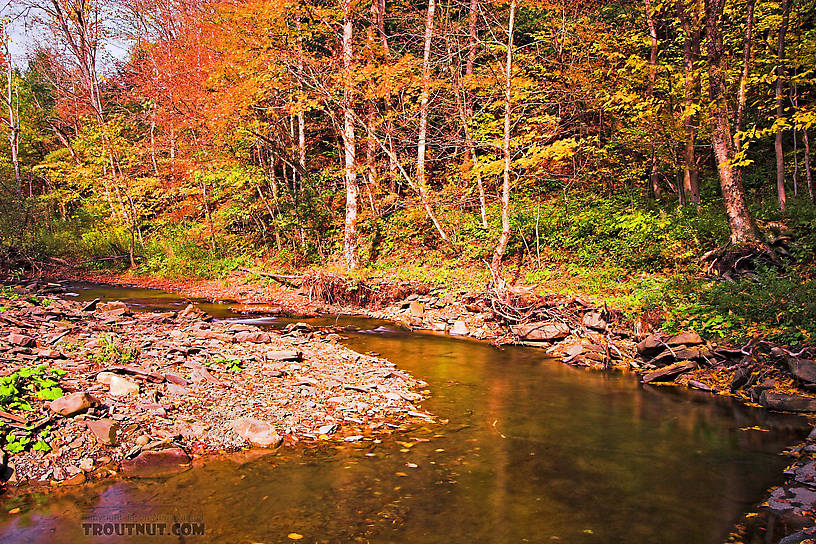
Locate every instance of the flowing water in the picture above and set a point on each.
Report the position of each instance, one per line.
(533, 451)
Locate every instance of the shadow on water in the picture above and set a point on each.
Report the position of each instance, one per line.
(533, 451)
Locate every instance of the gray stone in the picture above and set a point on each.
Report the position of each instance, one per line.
(651, 345)
(670, 372)
(416, 309)
(687, 338)
(256, 432)
(803, 369)
(104, 430)
(21, 340)
(545, 331)
(459, 329)
(284, 355)
(594, 320)
(787, 403)
(74, 403)
(256, 337)
(156, 463)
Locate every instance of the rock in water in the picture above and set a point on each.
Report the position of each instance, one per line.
(104, 430)
(668, 373)
(156, 464)
(256, 432)
(74, 403)
(544, 331)
(787, 403)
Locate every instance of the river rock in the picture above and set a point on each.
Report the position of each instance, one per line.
(156, 463)
(687, 338)
(416, 309)
(119, 386)
(21, 340)
(594, 320)
(104, 430)
(459, 329)
(801, 536)
(544, 331)
(175, 378)
(115, 308)
(256, 337)
(668, 373)
(651, 345)
(175, 389)
(256, 432)
(787, 403)
(803, 369)
(74, 403)
(284, 355)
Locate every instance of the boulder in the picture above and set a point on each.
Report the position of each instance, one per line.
(119, 386)
(115, 308)
(651, 345)
(459, 329)
(803, 369)
(156, 463)
(544, 331)
(21, 340)
(787, 403)
(284, 355)
(416, 309)
(670, 372)
(256, 432)
(594, 320)
(685, 338)
(256, 337)
(74, 403)
(104, 430)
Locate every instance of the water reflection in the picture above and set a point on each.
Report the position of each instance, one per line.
(533, 451)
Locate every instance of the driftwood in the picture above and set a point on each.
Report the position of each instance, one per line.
(280, 278)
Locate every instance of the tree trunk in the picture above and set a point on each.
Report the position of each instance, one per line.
(350, 231)
(654, 187)
(691, 52)
(501, 246)
(808, 173)
(423, 120)
(780, 108)
(742, 94)
(13, 117)
(740, 221)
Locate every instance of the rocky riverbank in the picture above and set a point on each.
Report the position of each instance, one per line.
(89, 390)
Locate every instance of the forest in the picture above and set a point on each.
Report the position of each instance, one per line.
(652, 155)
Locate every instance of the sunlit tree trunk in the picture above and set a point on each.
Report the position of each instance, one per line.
(421, 182)
(780, 108)
(742, 94)
(740, 221)
(654, 187)
(13, 119)
(350, 231)
(501, 246)
(691, 53)
(808, 173)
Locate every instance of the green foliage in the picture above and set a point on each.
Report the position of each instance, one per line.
(17, 389)
(112, 352)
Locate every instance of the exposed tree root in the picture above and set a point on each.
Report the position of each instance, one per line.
(343, 291)
(732, 261)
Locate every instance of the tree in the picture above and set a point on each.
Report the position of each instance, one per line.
(350, 174)
(780, 105)
(501, 246)
(740, 221)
